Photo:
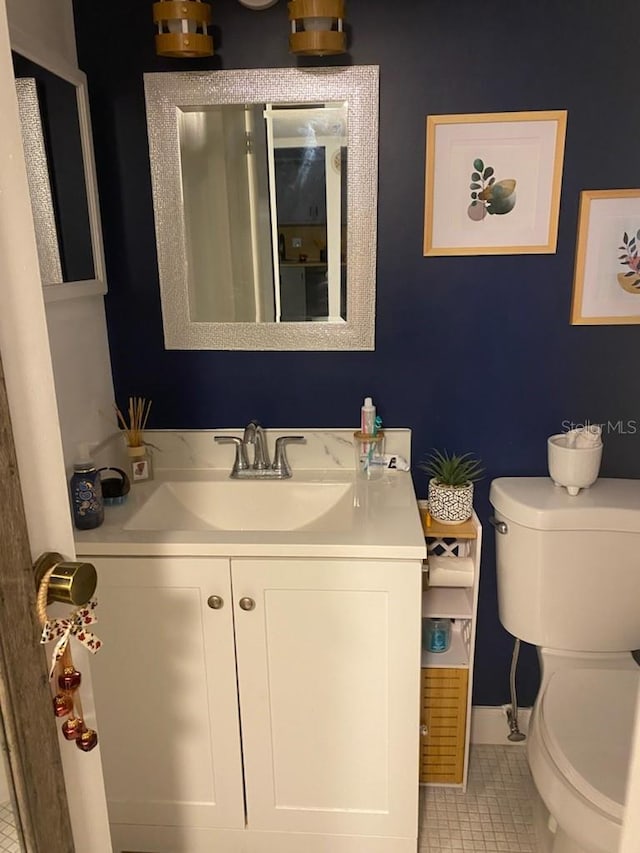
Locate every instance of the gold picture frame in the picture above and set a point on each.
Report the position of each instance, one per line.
(606, 282)
(492, 183)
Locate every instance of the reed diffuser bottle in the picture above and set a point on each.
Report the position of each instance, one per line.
(140, 458)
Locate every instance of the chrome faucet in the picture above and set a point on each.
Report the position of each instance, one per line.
(261, 467)
(254, 434)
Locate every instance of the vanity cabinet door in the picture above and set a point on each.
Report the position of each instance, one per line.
(166, 694)
(328, 657)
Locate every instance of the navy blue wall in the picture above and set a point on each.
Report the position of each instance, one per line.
(472, 353)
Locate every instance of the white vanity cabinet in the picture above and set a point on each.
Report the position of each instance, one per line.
(165, 688)
(314, 747)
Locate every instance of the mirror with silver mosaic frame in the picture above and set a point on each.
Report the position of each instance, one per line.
(58, 149)
(265, 195)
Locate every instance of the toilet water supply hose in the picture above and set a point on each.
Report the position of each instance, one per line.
(512, 711)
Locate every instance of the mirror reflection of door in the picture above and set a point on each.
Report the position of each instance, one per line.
(301, 198)
(310, 210)
(264, 200)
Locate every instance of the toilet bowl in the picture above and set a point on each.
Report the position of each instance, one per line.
(568, 582)
(578, 752)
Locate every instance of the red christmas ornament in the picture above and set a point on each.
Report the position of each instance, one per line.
(73, 729)
(62, 704)
(87, 740)
(70, 679)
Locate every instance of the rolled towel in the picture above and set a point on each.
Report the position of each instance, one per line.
(587, 436)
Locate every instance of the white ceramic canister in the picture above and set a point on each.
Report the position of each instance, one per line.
(573, 467)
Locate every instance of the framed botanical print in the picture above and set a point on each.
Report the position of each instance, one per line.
(606, 283)
(492, 183)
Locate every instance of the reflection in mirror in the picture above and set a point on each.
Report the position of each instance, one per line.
(264, 240)
(265, 212)
(227, 214)
(310, 210)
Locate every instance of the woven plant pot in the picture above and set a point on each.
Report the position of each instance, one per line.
(450, 504)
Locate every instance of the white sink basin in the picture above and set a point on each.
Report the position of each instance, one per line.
(245, 505)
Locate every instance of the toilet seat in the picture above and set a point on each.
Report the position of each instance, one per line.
(585, 721)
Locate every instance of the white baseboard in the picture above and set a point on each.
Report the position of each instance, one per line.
(489, 724)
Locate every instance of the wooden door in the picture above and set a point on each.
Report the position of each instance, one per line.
(31, 397)
(165, 682)
(328, 675)
(41, 815)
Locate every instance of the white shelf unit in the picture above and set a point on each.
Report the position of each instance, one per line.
(447, 677)
(457, 655)
(456, 602)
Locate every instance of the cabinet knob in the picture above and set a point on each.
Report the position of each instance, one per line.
(424, 731)
(247, 604)
(215, 602)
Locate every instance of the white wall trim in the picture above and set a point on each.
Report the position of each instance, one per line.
(489, 724)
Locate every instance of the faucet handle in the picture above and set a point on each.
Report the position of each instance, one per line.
(280, 462)
(241, 462)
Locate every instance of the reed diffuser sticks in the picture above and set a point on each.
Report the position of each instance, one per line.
(138, 413)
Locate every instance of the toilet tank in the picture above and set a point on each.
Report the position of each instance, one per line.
(568, 568)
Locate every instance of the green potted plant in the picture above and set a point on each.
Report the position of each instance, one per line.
(451, 485)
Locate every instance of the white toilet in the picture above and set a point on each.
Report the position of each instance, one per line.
(568, 572)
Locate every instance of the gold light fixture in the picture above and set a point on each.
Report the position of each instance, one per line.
(182, 28)
(317, 27)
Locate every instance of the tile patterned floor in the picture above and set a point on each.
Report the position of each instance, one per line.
(494, 816)
(8, 837)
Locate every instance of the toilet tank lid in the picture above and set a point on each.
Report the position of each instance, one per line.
(535, 502)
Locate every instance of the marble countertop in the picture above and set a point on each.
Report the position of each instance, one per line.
(383, 521)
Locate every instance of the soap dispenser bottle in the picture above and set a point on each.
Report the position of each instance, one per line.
(86, 492)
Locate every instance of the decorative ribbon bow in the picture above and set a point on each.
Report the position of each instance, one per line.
(62, 629)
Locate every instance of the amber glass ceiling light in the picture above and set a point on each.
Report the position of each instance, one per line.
(182, 28)
(316, 27)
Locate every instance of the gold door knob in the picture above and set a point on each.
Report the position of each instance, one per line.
(247, 604)
(70, 582)
(215, 602)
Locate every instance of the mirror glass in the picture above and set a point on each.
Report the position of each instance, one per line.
(59, 157)
(264, 189)
(265, 239)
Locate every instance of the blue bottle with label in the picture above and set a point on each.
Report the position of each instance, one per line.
(439, 635)
(86, 492)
